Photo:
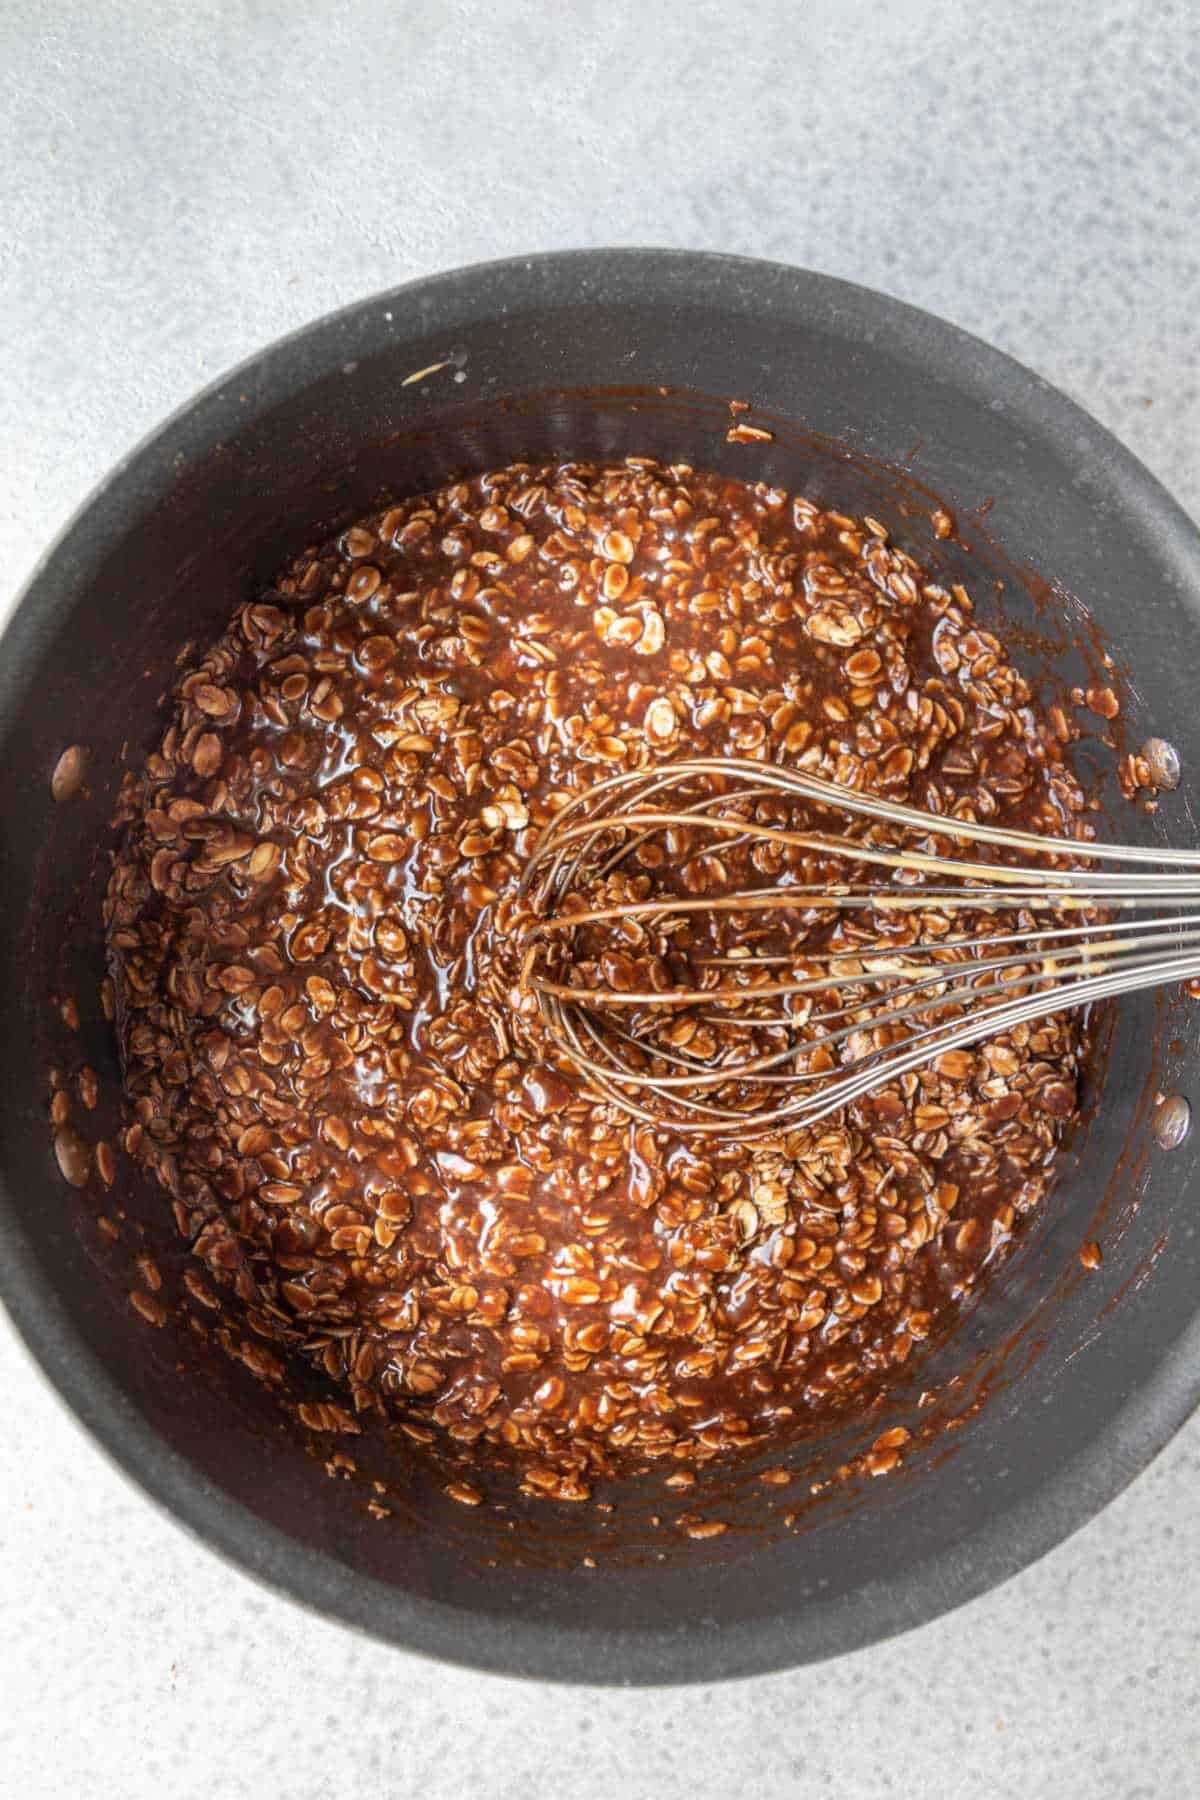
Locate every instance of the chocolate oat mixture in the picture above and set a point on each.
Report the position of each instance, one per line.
(314, 943)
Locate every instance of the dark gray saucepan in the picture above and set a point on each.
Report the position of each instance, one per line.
(875, 407)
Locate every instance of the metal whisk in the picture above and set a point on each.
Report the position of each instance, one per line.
(751, 1011)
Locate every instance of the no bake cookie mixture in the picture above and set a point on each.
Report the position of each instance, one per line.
(312, 922)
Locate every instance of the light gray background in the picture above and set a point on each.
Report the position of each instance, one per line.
(181, 183)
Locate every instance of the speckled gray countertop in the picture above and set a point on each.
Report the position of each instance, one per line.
(181, 183)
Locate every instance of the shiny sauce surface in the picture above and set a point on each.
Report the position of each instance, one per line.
(313, 937)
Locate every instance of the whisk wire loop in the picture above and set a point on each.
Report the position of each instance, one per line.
(890, 987)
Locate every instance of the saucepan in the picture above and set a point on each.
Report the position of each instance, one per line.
(1060, 1382)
